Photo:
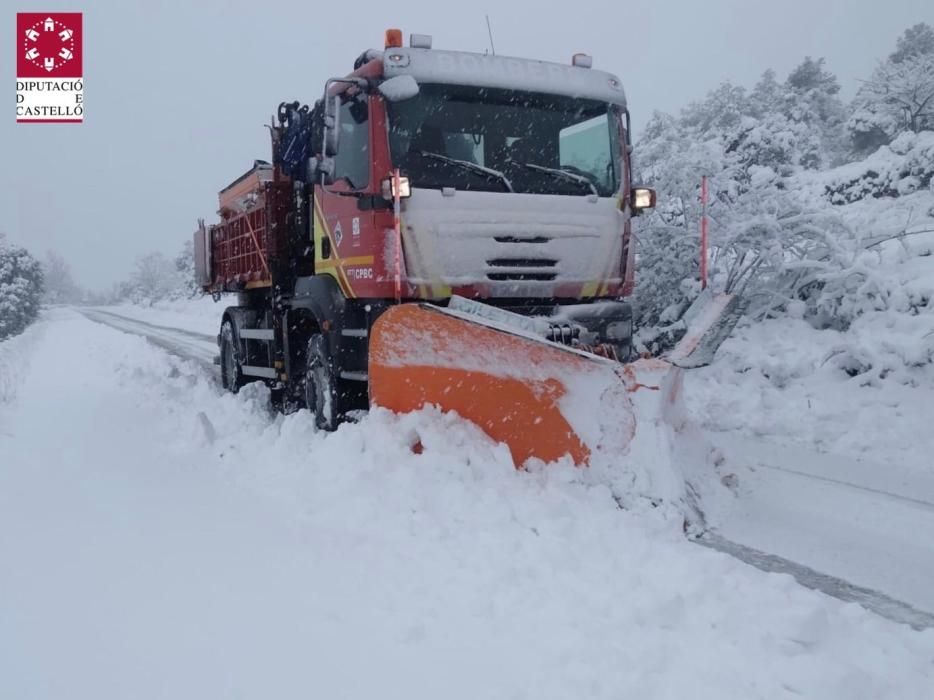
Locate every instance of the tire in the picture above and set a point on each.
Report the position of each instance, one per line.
(231, 373)
(321, 385)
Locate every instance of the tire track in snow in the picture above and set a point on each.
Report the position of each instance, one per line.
(873, 600)
(854, 529)
(841, 482)
(199, 347)
(205, 337)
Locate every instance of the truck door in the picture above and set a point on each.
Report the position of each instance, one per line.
(344, 214)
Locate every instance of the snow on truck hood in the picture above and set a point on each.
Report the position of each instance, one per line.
(490, 238)
(484, 70)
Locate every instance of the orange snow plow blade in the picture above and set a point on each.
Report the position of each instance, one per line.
(541, 399)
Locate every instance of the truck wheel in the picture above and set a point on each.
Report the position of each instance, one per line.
(321, 396)
(231, 376)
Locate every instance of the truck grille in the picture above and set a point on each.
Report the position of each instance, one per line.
(522, 262)
(521, 276)
(521, 239)
(522, 269)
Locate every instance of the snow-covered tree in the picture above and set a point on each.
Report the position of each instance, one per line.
(899, 96)
(719, 113)
(60, 286)
(670, 157)
(767, 97)
(20, 288)
(154, 278)
(811, 78)
(915, 41)
(157, 277)
(185, 266)
(812, 104)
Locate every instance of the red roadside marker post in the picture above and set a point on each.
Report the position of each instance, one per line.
(703, 233)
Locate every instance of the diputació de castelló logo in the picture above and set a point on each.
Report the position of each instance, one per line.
(49, 71)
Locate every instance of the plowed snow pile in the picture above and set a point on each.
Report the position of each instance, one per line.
(160, 539)
(863, 390)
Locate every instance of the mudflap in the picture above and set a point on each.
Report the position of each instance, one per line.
(545, 401)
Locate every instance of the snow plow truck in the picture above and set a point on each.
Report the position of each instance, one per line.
(441, 228)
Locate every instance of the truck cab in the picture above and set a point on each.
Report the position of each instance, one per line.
(515, 179)
(426, 175)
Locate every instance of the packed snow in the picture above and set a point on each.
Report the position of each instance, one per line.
(242, 553)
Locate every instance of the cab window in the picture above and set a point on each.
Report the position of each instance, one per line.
(587, 147)
(352, 163)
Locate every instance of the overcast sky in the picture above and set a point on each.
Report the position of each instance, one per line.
(177, 93)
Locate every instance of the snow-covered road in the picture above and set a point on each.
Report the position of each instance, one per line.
(852, 529)
(192, 345)
(161, 539)
(867, 524)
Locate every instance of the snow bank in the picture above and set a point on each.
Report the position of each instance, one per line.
(861, 392)
(173, 541)
(852, 393)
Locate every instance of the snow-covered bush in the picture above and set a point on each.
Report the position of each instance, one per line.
(764, 243)
(786, 251)
(20, 289)
(884, 348)
(906, 165)
(759, 222)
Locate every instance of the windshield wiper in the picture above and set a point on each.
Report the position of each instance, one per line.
(566, 174)
(476, 167)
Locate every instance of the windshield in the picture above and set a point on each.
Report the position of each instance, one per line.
(475, 138)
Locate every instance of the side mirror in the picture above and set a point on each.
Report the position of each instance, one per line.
(641, 199)
(401, 87)
(388, 188)
(332, 125)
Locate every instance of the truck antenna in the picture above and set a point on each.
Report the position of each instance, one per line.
(489, 30)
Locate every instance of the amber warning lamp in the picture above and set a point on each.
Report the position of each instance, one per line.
(393, 38)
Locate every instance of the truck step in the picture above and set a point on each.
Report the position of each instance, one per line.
(354, 332)
(355, 376)
(256, 334)
(255, 371)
